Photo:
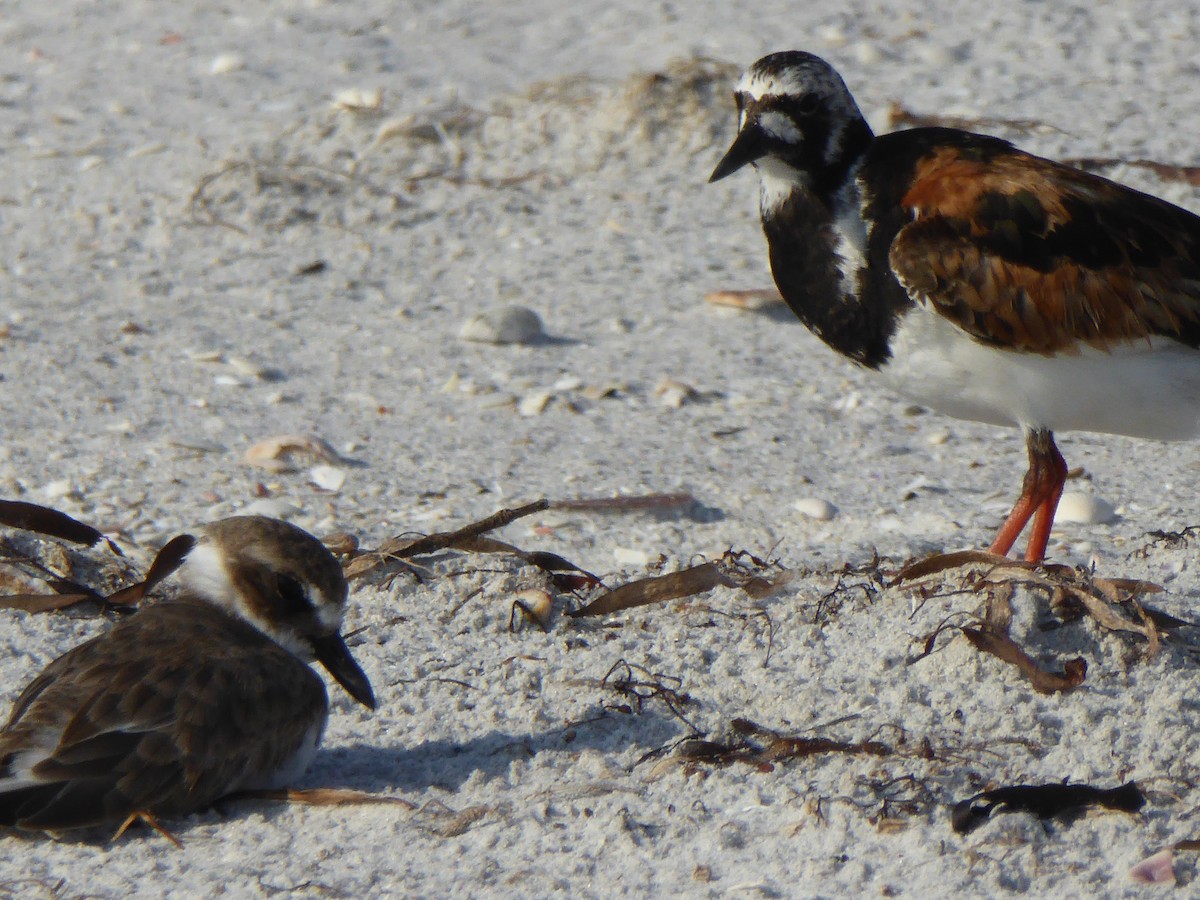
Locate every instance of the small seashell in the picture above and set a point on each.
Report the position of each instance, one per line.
(538, 603)
(627, 556)
(504, 325)
(815, 508)
(674, 393)
(1084, 509)
(1156, 869)
(275, 453)
(600, 391)
(226, 63)
(56, 490)
(246, 367)
(327, 478)
(937, 438)
(206, 356)
(533, 404)
(568, 383)
(359, 99)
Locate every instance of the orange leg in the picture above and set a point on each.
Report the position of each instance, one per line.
(1040, 493)
(147, 818)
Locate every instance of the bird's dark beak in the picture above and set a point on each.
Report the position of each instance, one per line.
(749, 145)
(331, 652)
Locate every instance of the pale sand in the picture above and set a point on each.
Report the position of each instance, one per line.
(472, 189)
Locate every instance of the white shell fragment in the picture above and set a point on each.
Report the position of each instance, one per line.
(534, 404)
(359, 99)
(504, 325)
(278, 454)
(1084, 509)
(226, 63)
(327, 478)
(627, 556)
(815, 508)
(56, 490)
(674, 394)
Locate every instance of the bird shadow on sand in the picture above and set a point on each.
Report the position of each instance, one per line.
(448, 763)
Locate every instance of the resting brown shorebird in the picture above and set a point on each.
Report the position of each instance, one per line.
(974, 278)
(189, 699)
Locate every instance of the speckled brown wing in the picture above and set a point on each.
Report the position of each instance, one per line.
(170, 710)
(1029, 254)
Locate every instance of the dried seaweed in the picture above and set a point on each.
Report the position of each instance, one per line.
(1046, 801)
(1043, 680)
(51, 523)
(168, 559)
(737, 569)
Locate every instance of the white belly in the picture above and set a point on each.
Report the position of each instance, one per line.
(289, 772)
(1148, 388)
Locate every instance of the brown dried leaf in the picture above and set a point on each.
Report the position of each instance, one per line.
(1005, 649)
(39, 603)
(658, 589)
(406, 548)
(1103, 613)
(50, 522)
(168, 559)
(942, 562)
(998, 611)
(626, 503)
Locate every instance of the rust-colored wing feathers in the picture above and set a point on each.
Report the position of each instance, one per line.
(1028, 253)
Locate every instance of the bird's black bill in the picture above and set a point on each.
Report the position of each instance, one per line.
(750, 144)
(331, 652)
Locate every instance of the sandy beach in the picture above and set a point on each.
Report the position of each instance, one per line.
(264, 232)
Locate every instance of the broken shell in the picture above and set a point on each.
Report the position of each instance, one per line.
(1156, 869)
(674, 393)
(815, 508)
(505, 325)
(275, 454)
(246, 367)
(538, 605)
(327, 478)
(56, 490)
(533, 404)
(226, 63)
(1084, 509)
(630, 557)
(359, 99)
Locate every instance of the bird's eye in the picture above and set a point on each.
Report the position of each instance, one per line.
(292, 595)
(807, 105)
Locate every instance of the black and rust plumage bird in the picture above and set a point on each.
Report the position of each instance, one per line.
(976, 279)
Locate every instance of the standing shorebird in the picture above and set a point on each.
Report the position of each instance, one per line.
(976, 279)
(189, 699)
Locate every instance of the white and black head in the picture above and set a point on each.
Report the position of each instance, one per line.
(797, 123)
(285, 583)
